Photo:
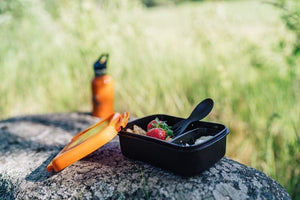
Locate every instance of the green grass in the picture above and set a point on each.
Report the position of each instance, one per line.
(163, 60)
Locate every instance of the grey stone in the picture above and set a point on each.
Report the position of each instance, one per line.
(28, 143)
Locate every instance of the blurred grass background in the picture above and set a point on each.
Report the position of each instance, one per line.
(164, 59)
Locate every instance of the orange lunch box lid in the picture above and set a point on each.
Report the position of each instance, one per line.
(89, 141)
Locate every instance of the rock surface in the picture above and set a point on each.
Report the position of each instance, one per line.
(27, 145)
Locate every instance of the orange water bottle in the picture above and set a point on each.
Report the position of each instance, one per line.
(102, 89)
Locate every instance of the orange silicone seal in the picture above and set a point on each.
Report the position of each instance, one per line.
(89, 141)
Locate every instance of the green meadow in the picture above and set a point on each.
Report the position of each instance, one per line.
(164, 59)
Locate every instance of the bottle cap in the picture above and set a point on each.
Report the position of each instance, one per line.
(101, 64)
(89, 141)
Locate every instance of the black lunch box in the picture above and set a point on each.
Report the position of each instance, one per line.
(181, 155)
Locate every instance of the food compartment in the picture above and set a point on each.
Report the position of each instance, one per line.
(197, 136)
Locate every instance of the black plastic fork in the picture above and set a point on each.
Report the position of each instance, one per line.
(201, 111)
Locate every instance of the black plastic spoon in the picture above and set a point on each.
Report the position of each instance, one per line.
(201, 111)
